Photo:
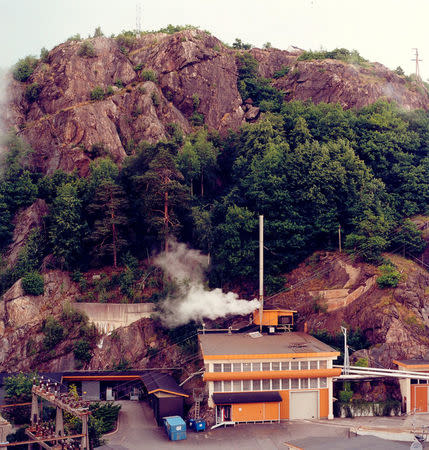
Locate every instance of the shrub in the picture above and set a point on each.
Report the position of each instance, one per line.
(54, 333)
(126, 41)
(390, 276)
(44, 55)
(197, 119)
(239, 45)
(98, 32)
(86, 50)
(75, 37)
(346, 395)
(24, 68)
(32, 92)
(33, 284)
(155, 99)
(109, 91)
(342, 54)
(82, 351)
(97, 93)
(149, 75)
(119, 83)
(282, 72)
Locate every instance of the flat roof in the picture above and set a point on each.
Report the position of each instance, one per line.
(288, 344)
(246, 397)
(412, 363)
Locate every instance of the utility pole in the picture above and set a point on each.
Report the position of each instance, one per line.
(416, 59)
(339, 237)
(261, 270)
(346, 352)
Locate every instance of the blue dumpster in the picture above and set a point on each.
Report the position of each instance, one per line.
(175, 428)
(199, 425)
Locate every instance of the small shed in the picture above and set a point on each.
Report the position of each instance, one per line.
(165, 396)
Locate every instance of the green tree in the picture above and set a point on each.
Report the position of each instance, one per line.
(65, 226)
(108, 211)
(98, 32)
(24, 68)
(53, 331)
(409, 238)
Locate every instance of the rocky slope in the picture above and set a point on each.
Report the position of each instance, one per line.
(395, 320)
(194, 72)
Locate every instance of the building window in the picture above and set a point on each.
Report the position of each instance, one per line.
(217, 367)
(275, 366)
(285, 383)
(313, 383)
(304, 383)
(275, 384)
(266, 385)
(227, 367)
(256, 367)
(294, 383)
(323, 364)
(247, 385)
(414, 381)
(304, 365)
(323, 382)
(236, 367)
(256, 385)
(294, 365)
(247, 367)
(266, 366)
(227, 386)
(313, 365)
(236, 385)
(285, 365)
(217, 386)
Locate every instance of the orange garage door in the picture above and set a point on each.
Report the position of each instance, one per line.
(255, 412)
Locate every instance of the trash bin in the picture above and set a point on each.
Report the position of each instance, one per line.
(200, 425)
(175, 428)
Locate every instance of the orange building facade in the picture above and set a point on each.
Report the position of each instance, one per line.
(414, 391)
(270, 377)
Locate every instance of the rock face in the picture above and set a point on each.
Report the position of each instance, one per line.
(21, 318)
(25, 222)
(163, 79)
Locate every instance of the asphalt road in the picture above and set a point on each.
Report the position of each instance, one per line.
(138, 430)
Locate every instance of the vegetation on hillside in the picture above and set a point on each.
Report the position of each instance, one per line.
(308, 168)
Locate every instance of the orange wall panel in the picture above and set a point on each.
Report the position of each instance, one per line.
(249, 412)
(323, 403)
(421, 396)
(284, 405)
(271, 411)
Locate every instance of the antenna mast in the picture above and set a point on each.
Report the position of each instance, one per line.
(138, 18)
(416, 59)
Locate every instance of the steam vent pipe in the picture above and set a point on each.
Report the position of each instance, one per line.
(261, 269)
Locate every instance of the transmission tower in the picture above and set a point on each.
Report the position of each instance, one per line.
(138, 18)
(416, 59)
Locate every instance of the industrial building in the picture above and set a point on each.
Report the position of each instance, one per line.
(414, 391)
(254, 377)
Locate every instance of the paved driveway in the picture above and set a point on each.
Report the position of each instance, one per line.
(138, 430)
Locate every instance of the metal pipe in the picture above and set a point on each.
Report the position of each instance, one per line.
(261, 270)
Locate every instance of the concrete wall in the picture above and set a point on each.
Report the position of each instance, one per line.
(109, 316)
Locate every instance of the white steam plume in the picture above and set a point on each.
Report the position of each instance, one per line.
(192, 301)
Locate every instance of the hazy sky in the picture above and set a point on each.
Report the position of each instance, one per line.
(381, 30)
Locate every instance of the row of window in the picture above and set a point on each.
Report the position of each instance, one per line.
(269, 385)
(267, 366)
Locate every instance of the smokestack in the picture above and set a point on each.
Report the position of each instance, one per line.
(261, 270)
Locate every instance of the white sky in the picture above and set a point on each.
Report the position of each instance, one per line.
(381, 30)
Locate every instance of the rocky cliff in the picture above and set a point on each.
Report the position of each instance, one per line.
(158, 79)
(343, 293)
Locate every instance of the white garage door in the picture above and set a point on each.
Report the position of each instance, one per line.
(304, 405)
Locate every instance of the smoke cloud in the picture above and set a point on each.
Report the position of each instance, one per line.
(193, 301)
